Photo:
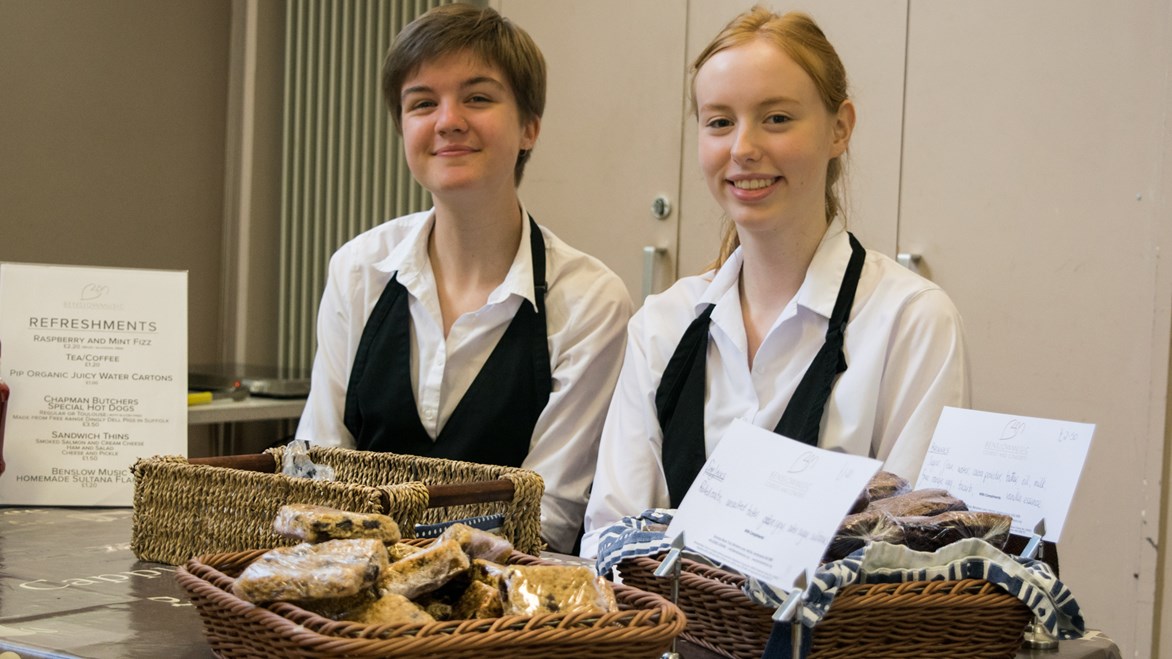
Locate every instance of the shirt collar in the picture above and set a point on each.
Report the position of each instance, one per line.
(410, 262)
(819, 290)
(408, 259)
(519, 280)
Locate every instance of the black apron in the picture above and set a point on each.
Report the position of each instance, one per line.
(679, 401)
(492, 424)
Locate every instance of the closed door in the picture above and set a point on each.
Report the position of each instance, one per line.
(1031, 184)
(610, 140)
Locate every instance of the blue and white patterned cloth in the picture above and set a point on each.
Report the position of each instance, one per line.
(1031, 581)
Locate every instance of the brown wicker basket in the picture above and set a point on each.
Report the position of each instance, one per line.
(182, 509)
(968, 618)
(234, 628)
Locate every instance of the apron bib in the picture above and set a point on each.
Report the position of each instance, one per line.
(492, 424)
(679, 400)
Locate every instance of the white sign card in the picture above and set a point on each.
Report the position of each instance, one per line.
(1014, 465)
(96, 359)
(768, 505)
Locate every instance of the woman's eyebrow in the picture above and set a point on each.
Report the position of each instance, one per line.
(470, 82)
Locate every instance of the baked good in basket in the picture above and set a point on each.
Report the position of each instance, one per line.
(936, 531)
(479, 600)
(425, 571)
(924, 502)
(313, 523)
(538, 589)
(390, 609)
(643, 627)
(477, 543)
(327, 570)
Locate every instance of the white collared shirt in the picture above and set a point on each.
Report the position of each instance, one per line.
(587, 308)
(904, 348)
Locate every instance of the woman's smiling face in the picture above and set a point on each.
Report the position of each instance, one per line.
(462, 130)
(765, 136)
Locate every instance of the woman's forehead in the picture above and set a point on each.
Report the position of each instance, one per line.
(757, 67)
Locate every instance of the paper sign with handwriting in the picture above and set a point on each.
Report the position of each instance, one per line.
(767, 505)
(97, 362)
(1014, 465)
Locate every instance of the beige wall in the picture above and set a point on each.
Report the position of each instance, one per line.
(112, 119)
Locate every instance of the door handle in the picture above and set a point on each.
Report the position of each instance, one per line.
(650, 252)
(909, 260)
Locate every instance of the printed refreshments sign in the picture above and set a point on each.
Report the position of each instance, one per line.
(96, 359)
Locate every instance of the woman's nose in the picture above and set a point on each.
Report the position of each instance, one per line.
(744, 146)
(450, 119)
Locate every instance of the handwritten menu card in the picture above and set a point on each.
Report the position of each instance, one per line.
(767, 505)
(1014, 465)
(97, 362)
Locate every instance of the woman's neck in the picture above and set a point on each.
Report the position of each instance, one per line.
(471, 248)
(773, 268)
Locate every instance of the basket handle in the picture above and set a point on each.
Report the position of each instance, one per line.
(438, 496)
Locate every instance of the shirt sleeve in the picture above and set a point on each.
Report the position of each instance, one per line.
(926, 370)
(322, 421)
(586, 350)
(629, 476)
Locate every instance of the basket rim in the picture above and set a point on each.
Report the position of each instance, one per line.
(739, 627)
(719, 579)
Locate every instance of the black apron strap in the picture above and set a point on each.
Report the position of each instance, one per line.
(802, 419)
(683, 427)
(542, 375)
(377, 330)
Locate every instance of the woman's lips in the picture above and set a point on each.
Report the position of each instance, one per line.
(454, 150)
(750, 189)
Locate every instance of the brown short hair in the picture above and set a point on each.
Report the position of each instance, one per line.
(482, 32)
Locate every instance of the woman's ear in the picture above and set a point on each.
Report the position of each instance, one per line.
(529, 132)
(844, 125)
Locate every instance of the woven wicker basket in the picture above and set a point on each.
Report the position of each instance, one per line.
(183, 509)
(957, 619)
(234, 628)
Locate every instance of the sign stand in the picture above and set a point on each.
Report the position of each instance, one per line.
(790, 611)
(671, 567)
(1037, 637)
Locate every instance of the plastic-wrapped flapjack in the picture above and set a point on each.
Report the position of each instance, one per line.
(536, 589)
(479, 600)
(371, 608)
(488, 573)
(425, 571)
(401, 550)
(477, 543)
(332, 569)
(932, 533)
(391, 609)
(319, 523)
